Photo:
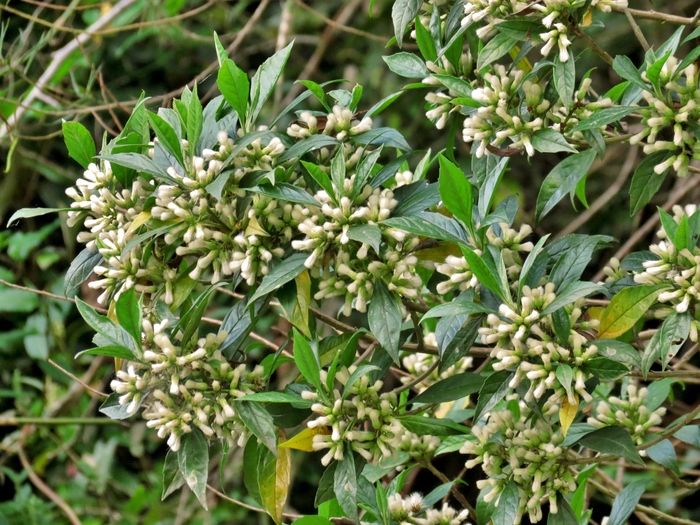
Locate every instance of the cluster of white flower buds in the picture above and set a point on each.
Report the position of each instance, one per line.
(678, 269)
(411, 510)
(527, 342)
(676, 105)
(360, 415)
(629, 412)
(528, 451)
(186, 386)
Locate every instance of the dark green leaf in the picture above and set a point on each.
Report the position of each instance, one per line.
(603, 117)
(129, 314)
(456, 307)
(386, 136)
(190, 320)
(626, 69)
(564, 75)
(508, 504)
(451, 388)
(172, 477)
(311, 143)
(80, 269)
(384, 316)
(321, 178)
(456, 84)
(494, 389)
(612, 440)
(561, 180)
(265, 80)
(112, 409)
(26, 213)
(658, 393)
(645, 181)
(565, 514)
(689, 435)
(428, 426)
(194, 121)
(284, 272)
(193, 459)
(259, 421)
(605, 369)
(109, 351)
(550, 141)
(666, 341)
(403, 12)
(664, 454)
(498, 46)
(345, 485)
(618, 351)
(487, 277)
(234, 86)
(428, 224)
(139, 163)
(105, 326)
(571, 293)
(286, 192)
(366, 234)
(167, 137)
(456, 192)
(625, 502)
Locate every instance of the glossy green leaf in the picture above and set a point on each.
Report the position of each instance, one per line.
(564, 75)
(565, 514)
(625, 502)
(385, 319)
(172, 477)
(645, 181)
(605, 369)
(166, 136)
(428, 426)
(494, 390)
(428, 224)
(112, 409)
(234, 86)
(603, 117)
(498, 46)
(664, 454)
(618, 351)
(451, 388)
(345, 485)
(284, 272)
(80, 269)
(572, 292)
(118, 351)
(456, 192)
(105, 326)
(561, 180)
(550, 141)
(259, 421)
(264, 82)
(612, 440)
(306, 360)
(129, 314)
(403, 12)
(193, 460)
(407, 65)
(666, 341)
(508, 504)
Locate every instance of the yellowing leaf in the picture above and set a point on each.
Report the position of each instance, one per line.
(254, 228)
(524, 63)
(274, 484)
(139, 220)
(595, 313)
(567, 413)
(300, 314)
(438, 253)
(304, 439)
(626, 308)
(587, 18)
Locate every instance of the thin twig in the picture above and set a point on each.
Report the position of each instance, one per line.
(342, 27)
(56, 421)
(455, 491)
(418, 379)
(636, 30)
(594, 46)
(44, 488)
(654, 15)
(249, 507)
(77, 379)
(46, 294)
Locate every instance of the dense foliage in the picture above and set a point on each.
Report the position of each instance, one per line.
(421, 309)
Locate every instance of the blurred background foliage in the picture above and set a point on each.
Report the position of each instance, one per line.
(110, 473)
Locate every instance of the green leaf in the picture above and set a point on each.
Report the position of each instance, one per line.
(564, 75)
(565, 514)
(386, 136)
(80, 269)
(626, 69)
(666, 341)
(403, 12)
(484, 509)
(498, 46)
(193, 459)
(112, 409)
(645, 181)
(550, 141)
(407, 65)
(366, 234)
(321, 177)
(139, 163)
(665, 455)
(385, 319)
(456, 192)
(605, 369)
(81, 147)
(383, 104)
(428, 426)
(265, 80)
(689, 59)
(508, 504)
(565, 376)
(235, 87)
(488, 181)
(274, 397)
(172, 477)
(129, 314)
(561, 180)
(105, 326)
(484, 274)
(274, 476)
(383, 174)
(312, 143)
(456, 307)
(572, 263)
(312, 520)
(317, 91)
(26, 213)
(167, 137)
(689, 435)
(252, 455)
(612, 440)
(451, 388)
(221, 54)
(456, 84)
(578, 499)
(425, 41)
(345, 484)
(109, 351)
(618, 351)
(658, 392)
(428, 224)
(259, 421)
(191, 320)
(626, 308)
(570, 293)
(286, 192)
(284, 272)
(625, 502)
(306, 360)
(604, 117)
(494, 389)
(194, 121)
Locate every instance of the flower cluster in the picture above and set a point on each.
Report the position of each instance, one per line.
(527, 342)
(361, 415)
(676, 105)
(679, 269)
(186, 386)
(629, 412)
(411, 510)
(527, 451)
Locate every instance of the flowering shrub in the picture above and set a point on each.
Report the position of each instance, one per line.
(331, 214)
